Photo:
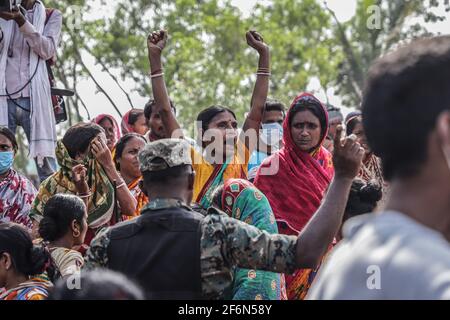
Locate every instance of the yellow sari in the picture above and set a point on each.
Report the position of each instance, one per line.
(209, 176)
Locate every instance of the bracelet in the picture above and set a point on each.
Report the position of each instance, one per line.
(84, 196)
(123, 184)
(152, 76)
(268, 74)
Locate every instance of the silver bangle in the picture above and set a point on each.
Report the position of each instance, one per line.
(123, 184)
(84, 196)
(156, 75)
(263, 74)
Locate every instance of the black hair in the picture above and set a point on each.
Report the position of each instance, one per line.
(403, 97)
(206, 115)
(352, 123)
(315, 107)
(334, 112)
(167, 176)
(59, 212)
(122, 143)
(352, 115)
(11, 137)
(78, 137)
(134, 115)
(148, 109)
(98, 284)
(363, 198)
(274, 105)
(27, 259)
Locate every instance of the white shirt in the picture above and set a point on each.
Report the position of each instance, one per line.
(386, 256)
(27, 38)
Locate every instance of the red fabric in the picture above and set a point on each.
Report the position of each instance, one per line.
(100, 118)
(296, 190)
(125, 126)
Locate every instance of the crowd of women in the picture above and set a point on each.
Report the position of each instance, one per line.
(44, 233)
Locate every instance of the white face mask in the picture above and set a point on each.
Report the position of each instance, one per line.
(271, 134)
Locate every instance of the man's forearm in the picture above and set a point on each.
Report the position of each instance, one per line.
(316, 237)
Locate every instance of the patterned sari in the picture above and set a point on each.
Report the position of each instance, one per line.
(208, 176)
(296, 188)
(33, 289)
(102, 200)
(16, 196)
(243, 201)
(140, 197)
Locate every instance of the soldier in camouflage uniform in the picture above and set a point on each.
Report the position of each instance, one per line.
(176, 253)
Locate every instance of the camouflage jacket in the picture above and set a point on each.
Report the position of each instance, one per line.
(225, 243)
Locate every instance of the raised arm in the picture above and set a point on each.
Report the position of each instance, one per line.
(156, 43)
(254, 118)
(315, 239)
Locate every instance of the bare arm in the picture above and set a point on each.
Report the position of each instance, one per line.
(251, 248)
(156, 43)
(316, 237)
(254, 118)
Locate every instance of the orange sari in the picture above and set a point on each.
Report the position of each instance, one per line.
(140, 197)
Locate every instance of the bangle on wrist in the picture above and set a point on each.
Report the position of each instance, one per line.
(152, 76)
(123, 184)
(84, 195)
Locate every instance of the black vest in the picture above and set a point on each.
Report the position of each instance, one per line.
(160, 250)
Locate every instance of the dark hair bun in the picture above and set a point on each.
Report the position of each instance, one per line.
(48, 229)
(40, 260)
(371, 192)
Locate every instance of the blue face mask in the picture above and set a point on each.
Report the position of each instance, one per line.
(6, 161)
(271, 134)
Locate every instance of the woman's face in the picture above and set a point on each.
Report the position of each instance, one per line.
(224, 127)
(110, 132)
(5, 144)
(358, 131)
(140, 126)
(306, 130)
(129, 162)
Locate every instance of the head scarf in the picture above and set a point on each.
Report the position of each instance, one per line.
(299, 179)
(101, 201)
(101, 117)
(124, 125)
(243, 201)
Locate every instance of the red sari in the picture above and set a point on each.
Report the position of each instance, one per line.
(296, 189)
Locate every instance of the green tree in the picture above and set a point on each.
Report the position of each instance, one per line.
(377, 27)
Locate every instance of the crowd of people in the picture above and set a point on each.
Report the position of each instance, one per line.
(295, 203)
